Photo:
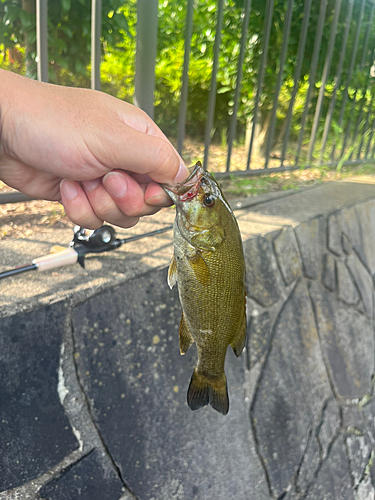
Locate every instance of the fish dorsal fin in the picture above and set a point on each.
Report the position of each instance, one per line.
(186, 338)
(172, 273)
(239, 340)
(199, 267)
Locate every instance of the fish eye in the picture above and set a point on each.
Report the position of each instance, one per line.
(209, 200)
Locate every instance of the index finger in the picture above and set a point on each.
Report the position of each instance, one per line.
(122, 147)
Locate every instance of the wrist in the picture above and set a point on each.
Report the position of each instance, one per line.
(11, 105)
(5, 97)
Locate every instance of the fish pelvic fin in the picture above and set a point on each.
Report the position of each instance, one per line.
(203, 390)
(239, 340)
(172, 273)
(185, 337)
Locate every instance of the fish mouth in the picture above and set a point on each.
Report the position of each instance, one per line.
(187, 189)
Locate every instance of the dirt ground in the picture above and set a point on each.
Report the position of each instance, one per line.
(26, 218)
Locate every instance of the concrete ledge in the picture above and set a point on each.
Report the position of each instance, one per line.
(97, 352)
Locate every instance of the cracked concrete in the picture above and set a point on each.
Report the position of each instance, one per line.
(100, 359)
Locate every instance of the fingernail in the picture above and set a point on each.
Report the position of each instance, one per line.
(69, 189)
(115, 184)
(91, 185)
(156, 200)
(182, 174)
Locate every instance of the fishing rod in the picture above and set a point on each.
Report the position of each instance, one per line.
(83, 243)
(101, 240)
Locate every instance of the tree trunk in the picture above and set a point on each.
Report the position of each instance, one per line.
(260, 136)
(282, 133)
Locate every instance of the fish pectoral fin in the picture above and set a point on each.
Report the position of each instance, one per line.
(208, 239)
(203, 390)
(239, 340)
(172, 273)
(199, 267)
(185, 337)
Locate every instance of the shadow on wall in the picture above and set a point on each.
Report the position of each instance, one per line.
(302, 417)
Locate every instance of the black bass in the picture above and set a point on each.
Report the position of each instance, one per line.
(209, 267)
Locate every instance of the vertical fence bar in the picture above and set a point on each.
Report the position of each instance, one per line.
(361, 68)
(96, 33)
(367, 36)
(326, 70)
(373, 151)
(296, 76)
(147, 32)
(233, 122)
(266, 40)
(284, 48)
(212, 96)
(314, 66)
(185, 77)
(42, 39)
(368, 83)
(337, 82)
(369, 114)
(367, 152)
(352, 62)
(365, 128)
(358, 127)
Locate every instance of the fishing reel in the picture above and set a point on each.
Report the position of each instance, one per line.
(104, 235)
(99, 240)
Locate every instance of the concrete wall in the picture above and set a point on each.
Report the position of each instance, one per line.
(311, 354)
(93, 398)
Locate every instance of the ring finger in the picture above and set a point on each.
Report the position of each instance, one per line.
(104, 205)
(129, 195)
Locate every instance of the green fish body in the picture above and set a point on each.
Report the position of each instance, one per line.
(209, 268)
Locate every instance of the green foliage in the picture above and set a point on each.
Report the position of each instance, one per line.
(69, 53)
(69, 35)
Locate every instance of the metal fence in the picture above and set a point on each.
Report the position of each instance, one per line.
(337, 123)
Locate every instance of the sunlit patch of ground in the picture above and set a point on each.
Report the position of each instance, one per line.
(26, 218)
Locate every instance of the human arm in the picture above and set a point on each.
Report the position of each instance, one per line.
(101, 157)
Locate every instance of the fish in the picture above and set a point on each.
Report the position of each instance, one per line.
(208, 266)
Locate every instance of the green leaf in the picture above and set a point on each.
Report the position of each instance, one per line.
(79, 67)
(12, 14)
(62, 61)
(223, 90)
(68, 32)
(26, 19)
(31, 37)
(121, 21)
(66, 4)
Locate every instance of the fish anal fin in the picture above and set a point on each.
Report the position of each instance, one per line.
(239, 340)
(203, 390)
(199, 267)
(172, 273)
(185, 336)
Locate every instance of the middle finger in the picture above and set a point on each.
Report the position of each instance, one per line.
(104, 206)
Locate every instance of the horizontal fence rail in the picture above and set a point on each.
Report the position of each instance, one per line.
(302, 93)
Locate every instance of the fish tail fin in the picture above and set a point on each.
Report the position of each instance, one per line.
(203, 390)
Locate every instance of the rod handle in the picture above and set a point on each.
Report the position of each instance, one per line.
(66, 257)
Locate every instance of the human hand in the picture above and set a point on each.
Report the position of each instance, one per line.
(101, 157)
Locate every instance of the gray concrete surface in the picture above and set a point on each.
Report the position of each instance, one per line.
(93, 398)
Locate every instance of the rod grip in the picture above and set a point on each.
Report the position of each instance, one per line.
(65, 258)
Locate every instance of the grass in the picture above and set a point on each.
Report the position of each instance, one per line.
(252, 186)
